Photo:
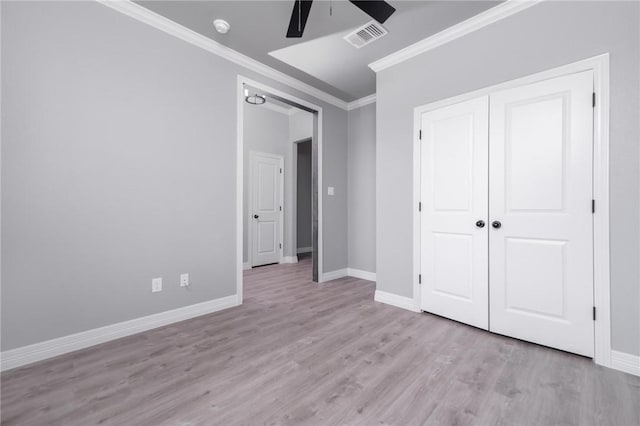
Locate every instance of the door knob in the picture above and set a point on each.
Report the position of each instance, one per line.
(255, 216)
(480, 224)
(496, 224)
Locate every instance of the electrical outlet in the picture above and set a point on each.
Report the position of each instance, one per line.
(184, 280)
(156, 285)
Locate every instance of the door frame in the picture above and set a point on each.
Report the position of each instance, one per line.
(280, 158)
(601, 277)
(317, 191)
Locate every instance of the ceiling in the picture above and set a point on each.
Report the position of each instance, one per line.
(321, 58)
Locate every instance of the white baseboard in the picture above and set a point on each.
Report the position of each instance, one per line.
(348, 272)
(246, 266)
(363, 275)
(304, 250)
(39, 351)
(334, 275)
(395, 300)
(289, 259)
(625, 362)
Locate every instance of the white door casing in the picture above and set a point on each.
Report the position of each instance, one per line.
(541, 258)
(266, 208)
(454, 186)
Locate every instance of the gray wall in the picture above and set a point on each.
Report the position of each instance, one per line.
(264, 130)
(303, 191)
(334, 165)
(544, 36)
(300, 125)
(118, 165)
(362, 188)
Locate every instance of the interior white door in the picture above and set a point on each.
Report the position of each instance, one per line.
(541, 255)
(266, 207)
(454, 175)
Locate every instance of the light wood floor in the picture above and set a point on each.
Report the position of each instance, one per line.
(302, 353)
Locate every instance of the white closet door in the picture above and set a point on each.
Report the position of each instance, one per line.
(541, 257)
(266, 199)
(454, 198)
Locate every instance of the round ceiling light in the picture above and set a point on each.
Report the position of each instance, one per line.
(255, 99)
(222, 26)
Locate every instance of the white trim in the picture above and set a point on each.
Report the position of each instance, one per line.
(481, 20)
(170, 27)
(246, 266)
(304, 250)
(39, 351)
(395, 300)
(289, 259)
(600, 67)
(334, 275)
(363, 275)
(320, 197)
(348, 272)
(280, 158)
(625, 362)
(240, 165)
(240, 190)
(361, 102)
(417, 224)
(601, 275)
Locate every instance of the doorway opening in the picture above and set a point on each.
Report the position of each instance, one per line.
(279, 175)
(303, 192)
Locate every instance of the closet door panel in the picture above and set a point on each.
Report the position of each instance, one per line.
(541, 248)
(454, 179)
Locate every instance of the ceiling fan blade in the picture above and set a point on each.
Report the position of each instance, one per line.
(299, 16)
(378, 10)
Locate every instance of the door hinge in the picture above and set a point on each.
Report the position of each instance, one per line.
(593, 206)
(280, 170)
(420, 134)
(419, 206)
(419, 278)
(593, 99)
(280, 208)
(594, 313)
(280, 245)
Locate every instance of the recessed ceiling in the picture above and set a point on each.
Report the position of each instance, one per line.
(321, 58)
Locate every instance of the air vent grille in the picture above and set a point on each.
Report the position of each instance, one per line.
(366, 34)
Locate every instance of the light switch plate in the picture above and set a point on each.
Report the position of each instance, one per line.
(184, 280)
(330, 190)
(156, 285)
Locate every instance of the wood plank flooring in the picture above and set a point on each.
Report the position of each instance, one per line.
(320, 354)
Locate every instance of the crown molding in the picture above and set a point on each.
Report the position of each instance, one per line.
(488, 17)
(170, 27)
(361, 102)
